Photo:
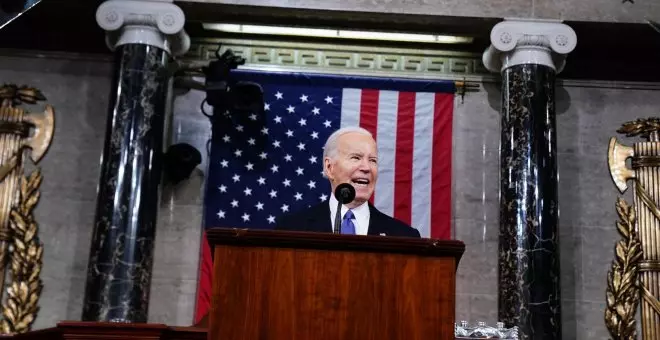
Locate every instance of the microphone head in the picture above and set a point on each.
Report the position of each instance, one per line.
(345, 193)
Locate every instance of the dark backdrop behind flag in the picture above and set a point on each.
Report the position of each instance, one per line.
(262, 166)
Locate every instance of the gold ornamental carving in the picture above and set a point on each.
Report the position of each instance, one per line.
(634, 279)
(622, 288)
(22, 134)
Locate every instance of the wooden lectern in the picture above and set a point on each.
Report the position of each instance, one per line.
(315, 286)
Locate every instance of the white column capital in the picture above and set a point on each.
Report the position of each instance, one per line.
(150, 22)
(529, 41)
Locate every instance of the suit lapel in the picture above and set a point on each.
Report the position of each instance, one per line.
(319, 218)
(375, 221)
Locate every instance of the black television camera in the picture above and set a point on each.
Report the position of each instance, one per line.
(236, 98)
(232, 101)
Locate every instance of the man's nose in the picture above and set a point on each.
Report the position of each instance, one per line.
(364, 166)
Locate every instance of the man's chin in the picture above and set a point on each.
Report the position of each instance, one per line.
(355, 203)
(361, 198)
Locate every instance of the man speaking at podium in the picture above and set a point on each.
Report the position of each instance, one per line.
(350, 162)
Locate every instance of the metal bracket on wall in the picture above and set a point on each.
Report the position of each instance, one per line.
(464, 86)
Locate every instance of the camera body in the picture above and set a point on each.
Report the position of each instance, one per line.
(237, 98)
(232, 101)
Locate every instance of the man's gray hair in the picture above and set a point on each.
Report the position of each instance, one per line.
(330, 148)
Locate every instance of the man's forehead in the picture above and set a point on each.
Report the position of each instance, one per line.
(359, 148)
(353, 137)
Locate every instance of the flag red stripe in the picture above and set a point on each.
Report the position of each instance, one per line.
(369, 115)
(369, 111)
(204, 280)
(441, 166)
(403, 159)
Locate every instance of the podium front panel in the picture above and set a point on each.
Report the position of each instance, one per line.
(312, 294)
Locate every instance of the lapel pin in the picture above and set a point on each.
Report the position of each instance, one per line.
(382, 234)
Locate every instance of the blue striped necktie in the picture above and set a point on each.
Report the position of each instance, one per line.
(347, 226)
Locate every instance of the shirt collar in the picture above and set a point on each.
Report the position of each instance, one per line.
(362, 209)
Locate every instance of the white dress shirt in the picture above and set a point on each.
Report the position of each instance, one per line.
(360, 215)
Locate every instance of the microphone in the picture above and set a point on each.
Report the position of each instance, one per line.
(344, 193)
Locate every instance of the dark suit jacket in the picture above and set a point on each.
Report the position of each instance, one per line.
(317, 218)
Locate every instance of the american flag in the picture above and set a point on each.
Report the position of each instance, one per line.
(262, 166)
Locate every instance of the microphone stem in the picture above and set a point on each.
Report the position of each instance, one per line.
(338, 219)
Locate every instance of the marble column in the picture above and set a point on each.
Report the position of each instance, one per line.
(529, 54)
(144, 35)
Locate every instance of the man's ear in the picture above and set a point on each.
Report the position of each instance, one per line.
(327, 166)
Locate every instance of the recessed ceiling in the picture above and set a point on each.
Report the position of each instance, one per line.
(605, 51)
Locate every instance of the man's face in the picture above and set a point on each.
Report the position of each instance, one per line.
(356, 163)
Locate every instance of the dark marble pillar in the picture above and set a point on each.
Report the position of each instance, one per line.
(529, 54)
(121, 257)
(143, 35)
(529, 289)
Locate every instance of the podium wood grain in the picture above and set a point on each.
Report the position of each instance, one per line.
(332, 287)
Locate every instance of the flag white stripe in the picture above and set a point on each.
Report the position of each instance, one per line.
(388, 104)
(351, 99)
(422, 158)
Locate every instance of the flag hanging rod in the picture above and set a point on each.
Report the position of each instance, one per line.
(188, 70)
